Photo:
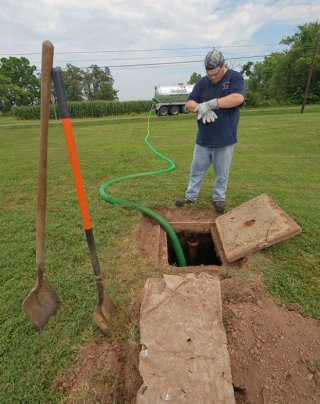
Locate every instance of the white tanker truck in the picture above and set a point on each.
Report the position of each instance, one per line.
(171, 99)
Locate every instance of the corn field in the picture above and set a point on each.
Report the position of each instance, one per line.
(87, 109)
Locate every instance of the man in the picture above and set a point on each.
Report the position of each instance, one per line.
(216, 98)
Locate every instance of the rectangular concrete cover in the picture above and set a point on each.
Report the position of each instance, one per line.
(254, 225)
(184, 357)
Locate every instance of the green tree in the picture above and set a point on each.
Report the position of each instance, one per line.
(259, 83)
(297, 62)
(7, 93)
(98, 84)
(73, 78)
(282, 76)
(246, 69)
(194, 78)
(18, 83)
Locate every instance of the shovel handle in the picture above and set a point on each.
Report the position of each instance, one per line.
(46, 66)
(71, 146)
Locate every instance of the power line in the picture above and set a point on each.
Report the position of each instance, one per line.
(182, 62)
(135, 58)
(144, 50)
(171, 63)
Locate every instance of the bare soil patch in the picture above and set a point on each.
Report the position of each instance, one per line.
(274, 350)
(104, 373)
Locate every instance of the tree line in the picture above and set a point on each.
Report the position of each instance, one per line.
(20, 84)
(279, 79)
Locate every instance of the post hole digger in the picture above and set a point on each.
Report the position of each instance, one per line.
(105, 307)
(42, 301)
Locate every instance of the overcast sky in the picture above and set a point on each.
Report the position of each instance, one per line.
(145, 43)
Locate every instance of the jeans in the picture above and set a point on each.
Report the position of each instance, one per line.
(220, 158)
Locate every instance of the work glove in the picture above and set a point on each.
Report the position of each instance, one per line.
(208, 116)
(206, 106)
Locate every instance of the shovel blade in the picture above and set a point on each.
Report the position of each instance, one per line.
(41, 304)
(103, 312)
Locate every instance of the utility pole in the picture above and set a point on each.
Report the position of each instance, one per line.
(306, 91)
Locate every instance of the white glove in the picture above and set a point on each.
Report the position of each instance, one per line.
(208, 116)
(206, 106)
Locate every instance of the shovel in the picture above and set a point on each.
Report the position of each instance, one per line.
(42, 302)
(105, 307)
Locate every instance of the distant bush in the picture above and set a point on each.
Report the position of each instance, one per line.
(87, 109)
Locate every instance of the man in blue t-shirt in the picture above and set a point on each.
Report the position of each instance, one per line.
(216, 99)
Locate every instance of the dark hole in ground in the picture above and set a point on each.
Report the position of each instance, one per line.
(240, 395)
(198, 249)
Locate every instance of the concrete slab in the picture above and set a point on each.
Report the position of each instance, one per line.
(254, 225)
(184, 357)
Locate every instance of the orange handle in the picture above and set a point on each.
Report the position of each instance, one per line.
(68, 133)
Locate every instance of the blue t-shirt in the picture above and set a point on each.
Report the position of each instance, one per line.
(223, 131)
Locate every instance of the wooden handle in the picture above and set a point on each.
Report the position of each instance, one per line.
(46, 67)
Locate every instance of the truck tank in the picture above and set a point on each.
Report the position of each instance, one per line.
(171, 99)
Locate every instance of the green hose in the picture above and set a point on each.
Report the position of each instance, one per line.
(129, 204)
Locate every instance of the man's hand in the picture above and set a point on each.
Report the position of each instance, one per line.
(206, 106)
(208, 116)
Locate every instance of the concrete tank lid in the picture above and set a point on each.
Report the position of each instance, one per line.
(254, 225)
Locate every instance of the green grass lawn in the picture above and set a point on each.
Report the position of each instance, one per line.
(278, 154)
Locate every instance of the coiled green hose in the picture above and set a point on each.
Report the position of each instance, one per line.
(129, 204)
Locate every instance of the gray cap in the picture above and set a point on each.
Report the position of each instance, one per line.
(213, 59)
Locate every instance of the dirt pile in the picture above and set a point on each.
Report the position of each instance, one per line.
(274, 350)
(274, 353)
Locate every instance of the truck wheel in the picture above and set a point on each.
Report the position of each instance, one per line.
(185, 110)
(174, 110)
(163, 111)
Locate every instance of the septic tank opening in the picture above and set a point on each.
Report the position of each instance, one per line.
(198, 249)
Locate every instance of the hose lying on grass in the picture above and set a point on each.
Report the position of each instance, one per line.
(129, 204)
